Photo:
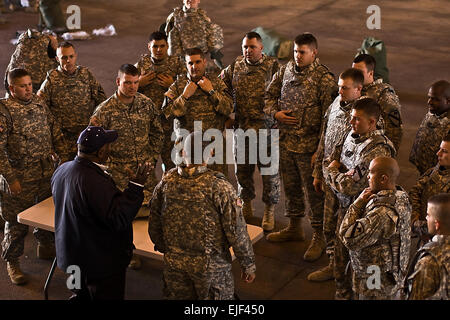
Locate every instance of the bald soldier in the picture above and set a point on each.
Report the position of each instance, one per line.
(434, 127)
(376, 230)
(429, 273)
(384, 94)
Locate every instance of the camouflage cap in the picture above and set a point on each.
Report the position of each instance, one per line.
(93, 138)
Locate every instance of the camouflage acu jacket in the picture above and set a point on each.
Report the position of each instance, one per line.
(378, 234)
(356, 154)
(429, 276)
(386, 97)
(31, 54)
(308, 93)
(428, 139)
(72, 98)
(435, 180)
(140, 135)
(192, 28)
(195, 217)
(336, 127)
(212, 110)
(171, 66)
(28, 136)
(248, 82)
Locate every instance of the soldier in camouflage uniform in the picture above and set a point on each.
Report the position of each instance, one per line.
(434, 127)
(346, 173)
(189, 27)
(29, 140)
(35, 52)
(158, 72)
(195, 217)
(376, 231)
(137, 121)
(72, 93)
(384, 94)
(336, 127)
(199, 97)
(435, 180)
(247, 77)
(298, 97)
(429, 274)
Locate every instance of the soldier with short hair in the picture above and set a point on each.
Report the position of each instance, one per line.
(336, 127)
(346, 173)
(435, 180)
(189, 27)
(31, 145)
(376, 231)
(137, 121)
(298, 98)
(158, 72)
(195, 217)
(35, 52)
(247, 77)
(199, 97)
(384, 94)
(434, 127)
(428, 278)
(72, 93)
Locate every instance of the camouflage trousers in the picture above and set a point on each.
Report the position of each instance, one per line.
(15, 233)
(246, 184)
(296, 173)
(341, 263)
(213, 285)
(330, 210)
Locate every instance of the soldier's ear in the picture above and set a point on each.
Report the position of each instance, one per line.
(437, 224)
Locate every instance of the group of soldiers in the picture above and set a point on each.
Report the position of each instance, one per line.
(337, 141)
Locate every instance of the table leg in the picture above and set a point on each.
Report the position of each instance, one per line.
(49, 278)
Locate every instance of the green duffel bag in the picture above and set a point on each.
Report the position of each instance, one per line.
(275, 44)
(376, 49)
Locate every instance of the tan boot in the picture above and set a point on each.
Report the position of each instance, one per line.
(15, 274)
(268, 221)
(46, 252)
(293, 232)
(323, 274)
(135, 262)
(247, 210)
(316, 247)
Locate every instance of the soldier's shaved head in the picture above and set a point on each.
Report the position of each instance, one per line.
(383, 174)
(439, 210)
(439, 97)
(387, 166)
(443, 86)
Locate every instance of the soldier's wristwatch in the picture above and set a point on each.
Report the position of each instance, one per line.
(211, 92)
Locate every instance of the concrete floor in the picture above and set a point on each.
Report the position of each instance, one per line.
(416, 34)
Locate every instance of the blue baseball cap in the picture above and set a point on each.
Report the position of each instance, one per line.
(93, 138)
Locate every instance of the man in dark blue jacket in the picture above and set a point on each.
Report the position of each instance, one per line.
(93, 218)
